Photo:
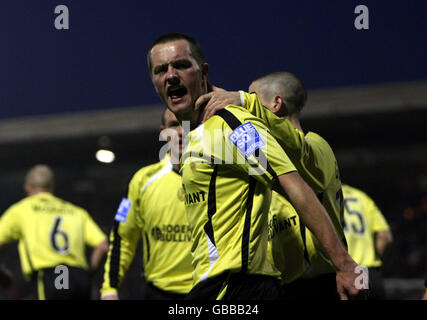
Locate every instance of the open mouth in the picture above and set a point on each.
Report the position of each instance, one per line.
(176, 92)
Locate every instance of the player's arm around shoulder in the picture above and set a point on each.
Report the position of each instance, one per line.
(289, 138)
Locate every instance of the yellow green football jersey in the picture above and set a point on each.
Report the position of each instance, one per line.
(154, 211)
(50, 232)
(285, 238)
(229, 166)
(295, 250)
(362, 220)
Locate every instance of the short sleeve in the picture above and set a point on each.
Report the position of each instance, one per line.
(9, 226)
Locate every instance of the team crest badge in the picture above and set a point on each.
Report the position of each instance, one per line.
(247, 139)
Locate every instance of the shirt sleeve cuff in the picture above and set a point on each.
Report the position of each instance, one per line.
(242, 98)
(108, 292)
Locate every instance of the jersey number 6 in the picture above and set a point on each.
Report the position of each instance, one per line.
(56, 235)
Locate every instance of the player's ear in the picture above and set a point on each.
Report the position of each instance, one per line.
(281, 108)
(27, 189)
(205, 69)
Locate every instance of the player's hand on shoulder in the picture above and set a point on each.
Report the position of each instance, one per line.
(216, 100)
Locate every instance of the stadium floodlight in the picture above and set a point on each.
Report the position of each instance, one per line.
(105, 156)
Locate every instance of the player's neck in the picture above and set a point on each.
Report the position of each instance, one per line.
(193, 117)
(37, 191)
(295, 122)
(176, 167)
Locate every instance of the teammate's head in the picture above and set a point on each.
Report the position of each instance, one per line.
(173, 134)
(281, 92)
(39, 178)
(179, 72)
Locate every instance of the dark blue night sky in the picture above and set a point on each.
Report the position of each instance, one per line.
(100, 62)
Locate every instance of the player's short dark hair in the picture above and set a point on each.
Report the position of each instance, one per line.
(288, 85)
(195, 47)
(40, 177)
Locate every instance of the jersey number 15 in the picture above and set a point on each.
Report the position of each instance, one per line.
(358, 228)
